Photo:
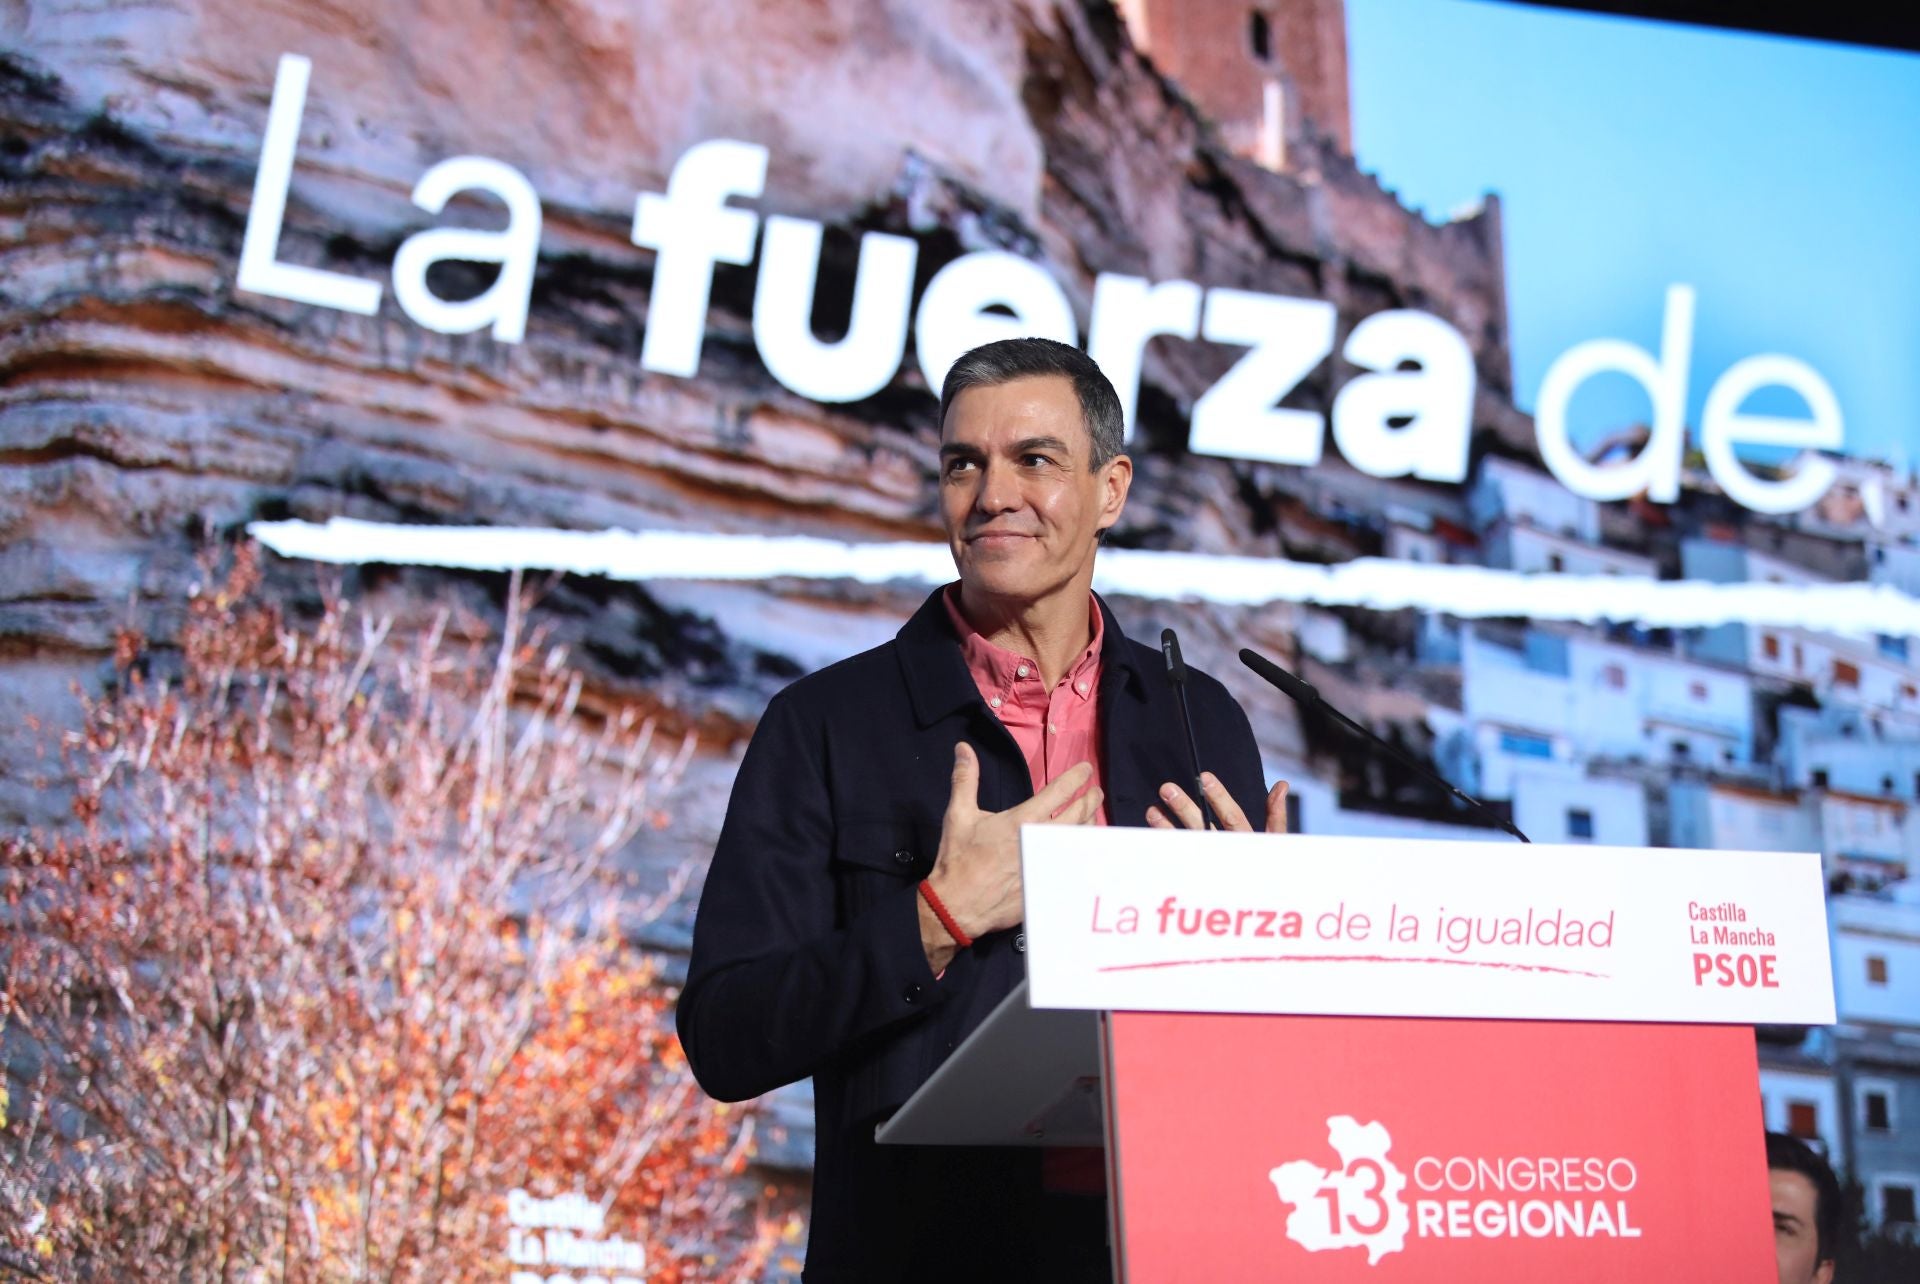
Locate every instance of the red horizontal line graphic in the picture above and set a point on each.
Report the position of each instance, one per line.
(1353, 958)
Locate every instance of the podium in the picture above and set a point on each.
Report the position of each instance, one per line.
(1315, 1058)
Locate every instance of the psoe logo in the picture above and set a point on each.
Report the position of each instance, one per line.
(1360, 1204)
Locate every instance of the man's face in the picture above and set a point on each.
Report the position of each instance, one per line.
(1019, 503)
(1796, 1242)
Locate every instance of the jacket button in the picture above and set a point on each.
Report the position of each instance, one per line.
(912, 993)
(1020, 942)
(903, 857)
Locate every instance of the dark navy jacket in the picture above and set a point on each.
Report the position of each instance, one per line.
(806, 949)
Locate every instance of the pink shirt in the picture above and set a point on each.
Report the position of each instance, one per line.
(1054, 729)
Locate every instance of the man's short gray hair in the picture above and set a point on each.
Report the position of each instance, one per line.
(1005, 360)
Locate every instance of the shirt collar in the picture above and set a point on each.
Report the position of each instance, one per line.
(996, 670)
(936, 674)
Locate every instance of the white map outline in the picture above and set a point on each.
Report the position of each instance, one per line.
(1378, 1183)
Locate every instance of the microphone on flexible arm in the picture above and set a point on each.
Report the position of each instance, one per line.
(1307, 697)
(1177, 678)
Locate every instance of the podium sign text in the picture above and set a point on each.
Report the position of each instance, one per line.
(1145, 920)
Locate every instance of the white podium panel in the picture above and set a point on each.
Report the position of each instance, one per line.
(1179, 921)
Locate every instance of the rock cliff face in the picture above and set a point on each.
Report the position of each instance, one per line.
(592, 99)
(147, 406)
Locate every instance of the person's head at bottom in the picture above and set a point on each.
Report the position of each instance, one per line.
(1806, 1210)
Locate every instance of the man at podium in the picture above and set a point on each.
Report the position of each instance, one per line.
(862, 914)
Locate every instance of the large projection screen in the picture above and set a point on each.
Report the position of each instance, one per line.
(1537, 384)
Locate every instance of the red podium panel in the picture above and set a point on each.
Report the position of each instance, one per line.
(1389, 1149)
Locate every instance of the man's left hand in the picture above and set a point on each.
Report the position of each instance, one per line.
(1177, 810)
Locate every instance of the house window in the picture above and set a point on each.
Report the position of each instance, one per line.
(1697, 690)
(1260, 36)
(1525, 746)
(1876, 969)
(1555, 562)
(1896, 1205)
(1579, 822)
(1614, 676)
(1819, 777)
(1886, 784)
(1876, 1113)
(1803, 1119)
(1845, 675)
(1770, 646)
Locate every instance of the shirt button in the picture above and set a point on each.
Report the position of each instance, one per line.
(1081, 688)
(903, 857)
(1052, 730)
(1021, 672)
(995, 702)
(1020, 943)
(912, 993)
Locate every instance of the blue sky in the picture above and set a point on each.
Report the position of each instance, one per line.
(1779, 178)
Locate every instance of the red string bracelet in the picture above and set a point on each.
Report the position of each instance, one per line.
(932, 899)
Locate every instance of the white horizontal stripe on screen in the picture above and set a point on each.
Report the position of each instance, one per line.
(1382, 584)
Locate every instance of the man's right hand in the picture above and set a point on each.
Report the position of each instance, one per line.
(977, 873)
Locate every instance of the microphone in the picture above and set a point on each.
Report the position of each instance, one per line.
(1307, 697)
(1177, 678)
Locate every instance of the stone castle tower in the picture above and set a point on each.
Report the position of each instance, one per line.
(1270, 73)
